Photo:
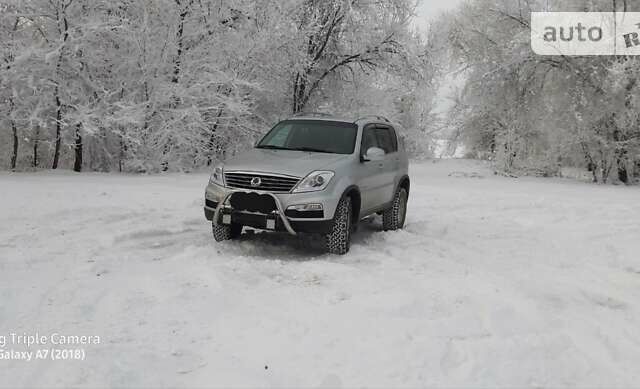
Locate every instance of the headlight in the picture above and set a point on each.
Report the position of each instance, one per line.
(314, 182)
(217, 177)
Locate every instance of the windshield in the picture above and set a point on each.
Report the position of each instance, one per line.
(312, 135)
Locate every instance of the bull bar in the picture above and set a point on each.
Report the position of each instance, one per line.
(280, 210)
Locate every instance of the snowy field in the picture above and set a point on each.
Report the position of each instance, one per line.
(495, 282)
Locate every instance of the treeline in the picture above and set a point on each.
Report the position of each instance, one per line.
(535, 114)
(150, 85)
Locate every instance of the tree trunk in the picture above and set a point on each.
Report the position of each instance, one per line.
(621, 165)
(299, 93)
(605, 168)
(165, 162)
(592, 166)
(36, 139)
(14, 156)
(77, 165)
(621, 137)
(123, 152)
(14, 132)
(212, 138)
(56, 152)
(179, 35)
(65, 36)
(177, 65)
(212, 149)
(623, 176)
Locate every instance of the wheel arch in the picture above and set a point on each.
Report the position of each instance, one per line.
(356, 201)
(405, 182)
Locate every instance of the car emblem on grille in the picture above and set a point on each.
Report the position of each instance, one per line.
(256, 181)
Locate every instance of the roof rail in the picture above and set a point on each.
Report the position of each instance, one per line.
(312, 114)
(377, 117)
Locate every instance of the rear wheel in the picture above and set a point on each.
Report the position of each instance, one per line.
(226, 232)
(393, 218)
(338, 241)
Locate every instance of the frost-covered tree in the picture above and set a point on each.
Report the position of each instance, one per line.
(150, 85)
(339, 36)
(538, 113)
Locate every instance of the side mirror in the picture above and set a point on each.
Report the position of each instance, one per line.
(373, 154)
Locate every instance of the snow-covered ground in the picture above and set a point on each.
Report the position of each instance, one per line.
(494, 282)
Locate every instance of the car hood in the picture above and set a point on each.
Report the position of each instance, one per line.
(288, 162)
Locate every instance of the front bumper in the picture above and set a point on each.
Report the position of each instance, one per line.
(259, 222)
(217, 205)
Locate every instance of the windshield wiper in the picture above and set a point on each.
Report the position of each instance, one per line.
(271, 147)
(312, 150)
(307, 149)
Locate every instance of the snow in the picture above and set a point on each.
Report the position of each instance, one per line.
(495, 281)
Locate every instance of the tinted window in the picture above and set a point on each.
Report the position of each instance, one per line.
(369, 139)
(312, 135)
(394, 139)
(385, 140)
(380, 137)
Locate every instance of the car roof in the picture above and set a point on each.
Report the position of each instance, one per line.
(329, 117)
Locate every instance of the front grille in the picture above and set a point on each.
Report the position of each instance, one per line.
(269, 183)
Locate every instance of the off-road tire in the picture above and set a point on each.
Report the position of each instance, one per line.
(338, 240)
(223, 232)
(393, 218)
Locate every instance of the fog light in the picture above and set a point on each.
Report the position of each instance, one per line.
(306, 207)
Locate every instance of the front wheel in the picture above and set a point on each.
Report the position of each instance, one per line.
(223, 232)
(338, 240)
(393, 218)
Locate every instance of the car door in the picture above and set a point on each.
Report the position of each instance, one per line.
(388, 142)
(371, 179)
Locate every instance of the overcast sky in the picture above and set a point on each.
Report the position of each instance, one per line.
(428, 9)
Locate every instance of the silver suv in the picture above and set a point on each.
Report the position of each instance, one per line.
(313, 173)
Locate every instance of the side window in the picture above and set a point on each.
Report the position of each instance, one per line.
(369, 139)
(387, 139)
